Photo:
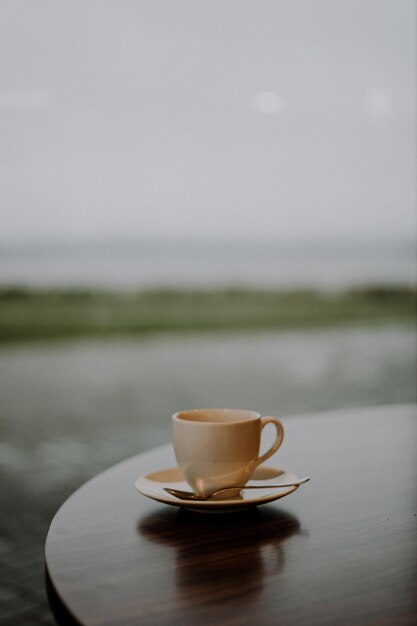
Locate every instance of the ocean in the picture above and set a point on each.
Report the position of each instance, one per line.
(139, 264)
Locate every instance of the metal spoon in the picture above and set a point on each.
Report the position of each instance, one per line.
(191, 495)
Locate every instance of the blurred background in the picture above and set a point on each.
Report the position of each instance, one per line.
(202, 204)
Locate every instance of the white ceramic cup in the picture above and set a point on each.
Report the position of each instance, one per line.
(218, 448)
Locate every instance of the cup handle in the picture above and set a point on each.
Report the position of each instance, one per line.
(278, 441)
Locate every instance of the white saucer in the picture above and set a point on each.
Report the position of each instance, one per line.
(152, 485)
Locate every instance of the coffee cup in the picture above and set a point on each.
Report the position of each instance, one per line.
(217, 448)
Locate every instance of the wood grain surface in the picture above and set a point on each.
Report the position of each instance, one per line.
(340, 550)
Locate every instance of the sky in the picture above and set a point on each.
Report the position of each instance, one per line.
(238, 119)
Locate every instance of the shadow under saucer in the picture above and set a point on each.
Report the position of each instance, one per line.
(219, 557)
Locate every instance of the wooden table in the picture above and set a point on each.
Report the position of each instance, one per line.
(340, 550)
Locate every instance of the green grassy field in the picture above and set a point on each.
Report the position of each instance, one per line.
(35, 315)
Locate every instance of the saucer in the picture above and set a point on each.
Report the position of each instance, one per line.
(152, 485)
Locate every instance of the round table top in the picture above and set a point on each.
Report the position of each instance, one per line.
(339, 550)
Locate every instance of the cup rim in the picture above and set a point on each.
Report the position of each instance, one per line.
(236, 416)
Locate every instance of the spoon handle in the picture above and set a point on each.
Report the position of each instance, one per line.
(294, 484)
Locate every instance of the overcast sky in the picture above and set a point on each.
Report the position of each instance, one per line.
(223, 118)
